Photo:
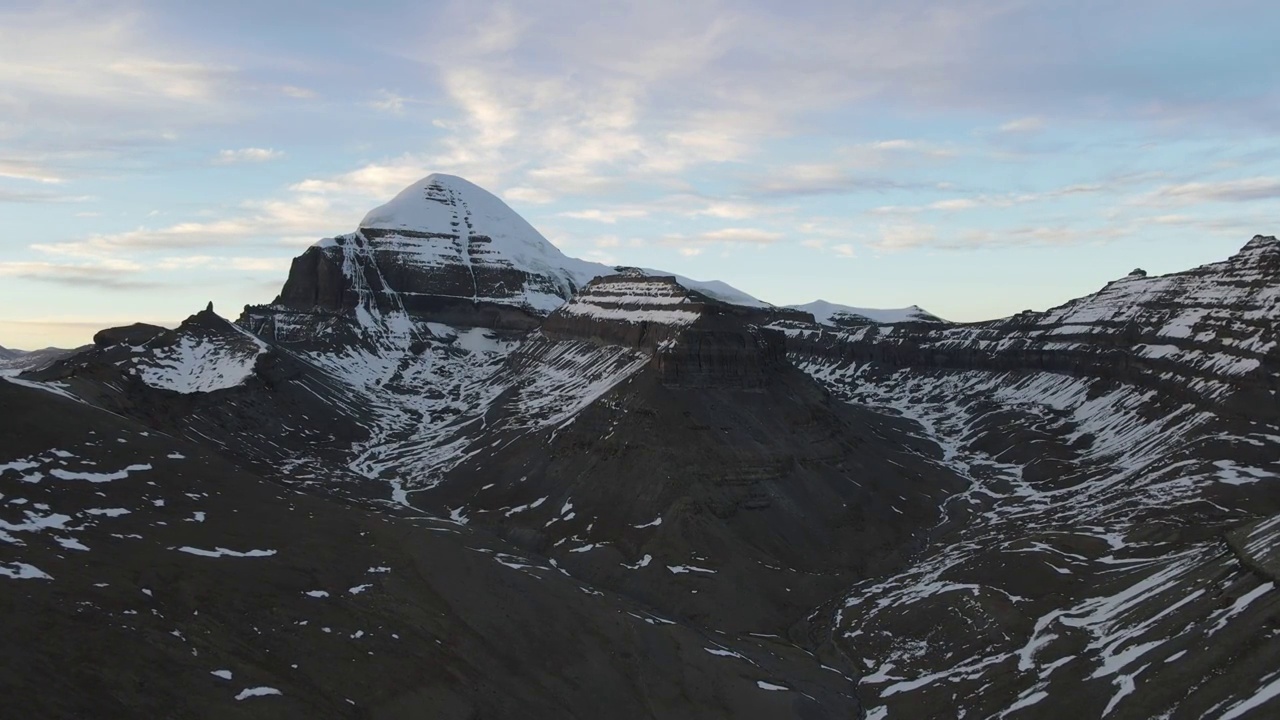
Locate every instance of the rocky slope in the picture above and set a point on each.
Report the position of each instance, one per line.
(146, 575)
(1206, 336)
(814, 512)
(699, 463)
(1114, 448)
(13, 362)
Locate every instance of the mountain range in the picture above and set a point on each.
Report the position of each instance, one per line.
(451, 472)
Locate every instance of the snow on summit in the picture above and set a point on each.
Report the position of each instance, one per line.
(444, 220)
(827, 313)
(444, 226)
(449, 204)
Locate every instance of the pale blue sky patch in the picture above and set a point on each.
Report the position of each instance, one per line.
(974, 158)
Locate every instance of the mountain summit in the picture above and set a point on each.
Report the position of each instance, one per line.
(444, 250)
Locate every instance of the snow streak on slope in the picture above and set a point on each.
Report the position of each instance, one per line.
(634, 301)
(469, 407)
(1069, 562)
(197, 364)
(551, 381)
(435, 395)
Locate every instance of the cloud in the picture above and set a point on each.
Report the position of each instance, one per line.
(116, 274)
(895, 238)
(731, 210)
(380, 180)
(1023, 125)
(389, 102)
(116, 65)
(898, 238)
(740, 235)
(743, 236)
(1193, 193)
(1008, 200)
(278, 264)
(812, 179)
(558, 104)
(606, 216)
(597, 110)
(67, 331)
(247, 155)
(36, 196)
(298, 93)
(88, 90)
(27, 169)
(302, 215)
(102, 276)
(533, 196)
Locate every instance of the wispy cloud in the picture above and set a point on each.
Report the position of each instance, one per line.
(1023, 125)
(298, 93)
(985, 201)
(118, 276)
(306, 215)
(1234, 191)
(27, 169)
(895, 238)
(389, 102)
(247, 155)
(38, 196)
(116, 64)
(373, 180)
(736, 235)
(606, 216)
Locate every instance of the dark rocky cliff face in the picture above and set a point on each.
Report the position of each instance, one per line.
(356, 272)
(695, 341)
(727, 357)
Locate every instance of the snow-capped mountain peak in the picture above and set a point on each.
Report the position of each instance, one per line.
(828, 313)
(447, 205)
(446, 250)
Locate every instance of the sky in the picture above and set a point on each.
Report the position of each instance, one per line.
(974, 158)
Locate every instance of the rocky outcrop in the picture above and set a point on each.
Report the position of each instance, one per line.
(135, 334)
(721, 352)
(695, 340)
(1257, 546)
(629, 309)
